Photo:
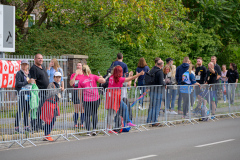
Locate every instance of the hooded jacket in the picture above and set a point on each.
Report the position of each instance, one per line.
(179, 72)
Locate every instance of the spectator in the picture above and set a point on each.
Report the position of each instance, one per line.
(39, 74)
(74, 80)
(233, 77)
(91, 98)
(224, 82)
(142, 66)
(156, 93)
(188, 78)
(23, 83)
(169, 62)
(171, 90)
(212, 76)
(217, 68)
(120, 62)
(114, 95)
(201, 77)
(179, 72)
(55, 67)
(50, 109)
(166, 70)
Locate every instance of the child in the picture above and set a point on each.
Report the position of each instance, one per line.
(50, 109)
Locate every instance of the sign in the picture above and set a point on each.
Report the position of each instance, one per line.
(8, 70)
(7, 28)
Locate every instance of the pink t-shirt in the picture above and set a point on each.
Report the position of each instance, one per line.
(89, 82)
(112, 83)
(76, 79)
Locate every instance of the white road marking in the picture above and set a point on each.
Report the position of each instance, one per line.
(143, 157)
(209, 144)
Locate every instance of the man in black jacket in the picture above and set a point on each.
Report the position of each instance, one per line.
(156, 93)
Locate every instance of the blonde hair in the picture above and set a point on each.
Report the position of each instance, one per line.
(56, 65)
(173, 71)
(86, 70)
(164, 69)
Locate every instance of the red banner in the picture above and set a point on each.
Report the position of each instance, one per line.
(8, 70)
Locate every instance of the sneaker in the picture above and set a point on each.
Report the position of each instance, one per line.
(167, 112)
(180, 112)
(213, 117)
(140, 107)
(50, 139)
(94, 133)
(173, 112)
(224, 102)
(191, 108)
(112, 132)
(131, 125)
(16, 129)
(88, 134)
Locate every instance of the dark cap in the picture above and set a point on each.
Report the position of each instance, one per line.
(169, 59)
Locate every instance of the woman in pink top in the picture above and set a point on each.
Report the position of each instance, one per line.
(91, 98)
(224, 81)
(113, 96)
(75, 77)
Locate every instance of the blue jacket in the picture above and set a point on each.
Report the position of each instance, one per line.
(179, 72)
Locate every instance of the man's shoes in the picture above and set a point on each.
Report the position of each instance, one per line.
(94, 133)
(173, 112)
(155, 125)
(17, 129)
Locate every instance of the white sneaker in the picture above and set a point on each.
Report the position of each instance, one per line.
(191, 108)
(168, 112)
(88, 134)
(140, 107)
(94, 133)
(224, 102)
(173, 112)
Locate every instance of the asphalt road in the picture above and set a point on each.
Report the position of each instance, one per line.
(218, 140)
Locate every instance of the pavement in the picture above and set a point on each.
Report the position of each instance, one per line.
(219, 140)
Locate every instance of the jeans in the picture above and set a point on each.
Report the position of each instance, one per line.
(179, 100)
(231, 90)
(171, 97)
(142, 90)
(23, 106)
(124, 110)
(185, 97)
(155, 105)
(224, 95)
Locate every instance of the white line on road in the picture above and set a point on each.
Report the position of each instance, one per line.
(209, 144)
(143, 157)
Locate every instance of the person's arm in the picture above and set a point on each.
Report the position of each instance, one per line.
(205, 74)
(134, 77)
(72, 81)
(161, 77)
(135, 82)
(101, 80)
(218, 72)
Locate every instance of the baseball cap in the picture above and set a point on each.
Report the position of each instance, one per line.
(169, 59)
(24, 61)
(57, 74)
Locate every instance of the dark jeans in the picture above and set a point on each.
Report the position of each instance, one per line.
(37, 123)
(23, 106)
(154, 108)
(185, 97)
(179, 100)
(90, 109)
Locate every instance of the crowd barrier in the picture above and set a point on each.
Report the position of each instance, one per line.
(30, 115)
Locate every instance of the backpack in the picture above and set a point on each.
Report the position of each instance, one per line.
(34, 101)
(149, 77)
(109, 69)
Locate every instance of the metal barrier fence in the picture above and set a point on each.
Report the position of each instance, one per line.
(31, 115)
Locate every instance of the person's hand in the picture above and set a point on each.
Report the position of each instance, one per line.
(62, 89)
(135, 84)
(142, 73)
(78, 72)
(236, 85)
(131, 74)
